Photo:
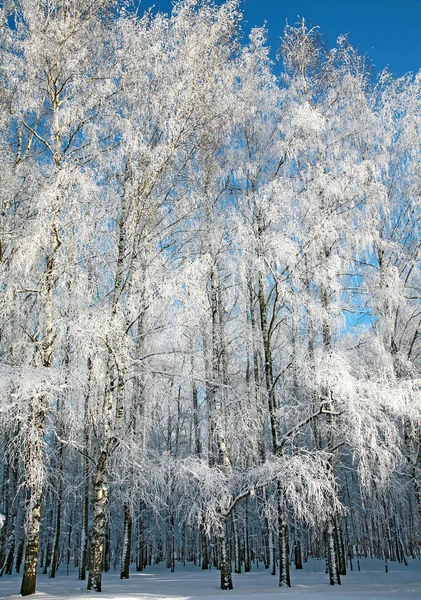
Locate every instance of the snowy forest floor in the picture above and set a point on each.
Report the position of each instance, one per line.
(191, 583)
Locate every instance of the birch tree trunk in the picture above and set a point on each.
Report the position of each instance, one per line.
(247, 553)
(57, 528)
(332, 563)
(219, 450)
(225, 557)
(283, 542)
(100, 501)
(112, 409)
(237, 543)
(38, 414)
(127, 543)
(29, 579)
(6, 535)
(85, 506)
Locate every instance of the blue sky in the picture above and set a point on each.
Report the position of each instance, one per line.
(388, 31)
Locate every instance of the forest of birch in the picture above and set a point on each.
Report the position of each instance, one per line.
(210, 285)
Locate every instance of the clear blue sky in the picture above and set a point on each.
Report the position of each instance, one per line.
(388, 31)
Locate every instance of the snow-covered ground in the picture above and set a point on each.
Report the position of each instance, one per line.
(191, 583)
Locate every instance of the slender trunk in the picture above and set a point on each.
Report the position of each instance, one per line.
(205, 551)
(268, 367)
(315, 401)
(283, 542)
(237, 550)
(284, 567)
(340, 546)
(37, 419)
(85, 510)
(100, 501)
(85, 524)
(113, 404)
(10, 552)
(225, 558)
(57, 529)
(56, 543)
(14, 560)
(127, 543)
(33, 520)
(219, 450)
(266, 534)
(29, 579)
(298, 555)
(247, 557)
(183, 550)
(416, 478)
(140, 545)
(113, 407)
(6, 505)
(197, 442)
(106, 561)
(332, 563)
(172, 540)
(69, 540)
(10, 499)
(45, 554)
(256, 378)
(170, 545)
(19, 556)
(272, 552)
(265, 543)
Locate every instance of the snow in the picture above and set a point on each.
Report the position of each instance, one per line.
(191, 583)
